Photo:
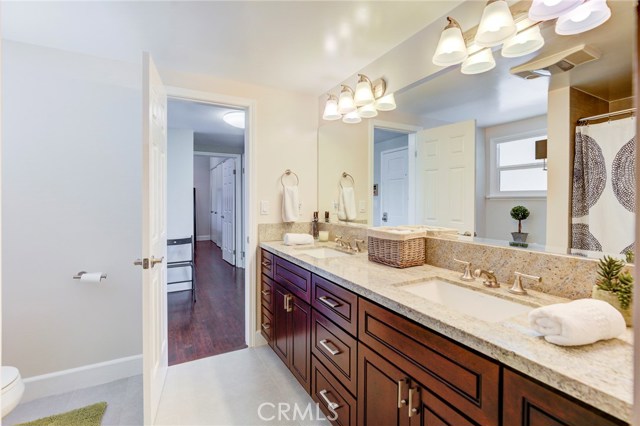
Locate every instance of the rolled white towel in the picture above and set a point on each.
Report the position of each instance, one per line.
(580, 322)
(291, 239)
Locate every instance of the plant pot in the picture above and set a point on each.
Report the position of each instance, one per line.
(612, 299)
(519, 237)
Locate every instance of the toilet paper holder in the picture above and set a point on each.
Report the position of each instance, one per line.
(81, 273)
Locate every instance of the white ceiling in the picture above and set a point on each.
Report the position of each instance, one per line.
(206, 122)
(306, 46)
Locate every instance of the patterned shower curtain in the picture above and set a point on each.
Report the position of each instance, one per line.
(603, 204)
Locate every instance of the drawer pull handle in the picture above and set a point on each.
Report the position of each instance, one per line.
(414, 396)
(287, 303)
(265, 327)
(325, 344)
(331, 405)
(266, 263)
(329, 302)
(265, 292)
(401, 384)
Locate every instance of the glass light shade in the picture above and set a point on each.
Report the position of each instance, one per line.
(480, 62)
(496, 24)
(386, 103)
(235, 119)
(544, 10)
(528, 41)
(364, 94)
(367, 111)
(331, 109)
(352, 118)
(451, 49)
(346, 103)
(587, 16)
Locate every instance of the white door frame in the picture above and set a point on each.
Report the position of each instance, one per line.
(250, 204)
(411, 170)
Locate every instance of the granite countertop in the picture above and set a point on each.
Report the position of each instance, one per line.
(600, 374)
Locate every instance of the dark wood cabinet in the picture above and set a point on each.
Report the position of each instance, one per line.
(291, 333)
(527, 403)
(295, 279)
(266, 263)
(336, 303)
(338, 405)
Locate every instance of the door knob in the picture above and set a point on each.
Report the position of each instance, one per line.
(155, 261)
(385, 217)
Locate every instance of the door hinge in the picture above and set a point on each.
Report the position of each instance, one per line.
(415, 154)
(234, 252)
(243, 170)
(243, 254)
(234, 171)
(142, 262)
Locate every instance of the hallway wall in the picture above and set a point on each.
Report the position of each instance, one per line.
(201, 183)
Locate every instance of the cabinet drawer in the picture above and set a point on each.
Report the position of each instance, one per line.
(294, 278)
(457, 375)
(527, 403)
(266, 292)
(266, 326)
(326, 389)
(266, 264)
(336, 349)
(336, 303)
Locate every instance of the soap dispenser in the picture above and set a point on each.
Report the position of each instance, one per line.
(314, 226)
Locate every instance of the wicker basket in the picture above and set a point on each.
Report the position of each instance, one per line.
(397, 247)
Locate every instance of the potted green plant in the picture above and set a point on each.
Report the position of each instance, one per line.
(614, 286)
(519, 213)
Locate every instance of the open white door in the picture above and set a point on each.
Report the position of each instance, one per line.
(154, 237)
(394, 187)
(212, 207)
(228, 210)
(445, 169)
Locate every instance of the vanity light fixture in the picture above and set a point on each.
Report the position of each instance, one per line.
(496, 24)
(331, 109)
(523, 43)
(479, 62)
(346, 104)
(369, 96)
(235, 119)
(544, 10)
(587, 16)
(364, 91)
(451, 49)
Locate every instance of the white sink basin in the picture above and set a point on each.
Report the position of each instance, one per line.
(324, 252)
(474, 303)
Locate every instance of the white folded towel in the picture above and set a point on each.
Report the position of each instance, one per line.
(291, 239)
(347, 204)
(290, 203)
(580, 322)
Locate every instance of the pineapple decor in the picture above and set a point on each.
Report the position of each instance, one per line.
(614, 286)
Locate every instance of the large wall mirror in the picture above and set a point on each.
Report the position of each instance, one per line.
(460, 150)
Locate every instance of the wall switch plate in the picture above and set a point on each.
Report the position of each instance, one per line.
(264, 207)
(363, 206)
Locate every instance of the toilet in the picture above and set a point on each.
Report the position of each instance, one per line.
(12, 389)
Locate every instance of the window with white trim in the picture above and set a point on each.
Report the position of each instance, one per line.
(514, 170)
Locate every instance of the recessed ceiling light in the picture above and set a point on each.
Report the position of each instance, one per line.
(235, 119)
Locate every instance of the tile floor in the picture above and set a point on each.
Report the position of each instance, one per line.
(225, 389)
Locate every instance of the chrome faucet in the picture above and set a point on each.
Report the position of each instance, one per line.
(490, 278)
(339, 241)
(517, 282)
(466, 276)
(358, 247)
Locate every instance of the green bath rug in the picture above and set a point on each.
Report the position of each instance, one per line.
(91, 415)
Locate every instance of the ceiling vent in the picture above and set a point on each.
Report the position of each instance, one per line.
(557, 62)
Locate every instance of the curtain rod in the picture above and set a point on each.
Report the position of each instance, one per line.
(609, 114)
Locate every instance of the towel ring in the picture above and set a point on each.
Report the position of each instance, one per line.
(288, 172)
(346, 175)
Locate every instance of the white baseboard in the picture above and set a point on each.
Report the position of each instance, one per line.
(81, 377)
(203, 237)
(259, 340)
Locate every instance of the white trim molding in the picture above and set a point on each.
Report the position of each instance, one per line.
(81, 377)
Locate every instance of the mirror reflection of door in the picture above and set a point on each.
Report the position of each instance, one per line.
(394, 186)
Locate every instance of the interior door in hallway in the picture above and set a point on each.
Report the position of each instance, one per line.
(213, 215)
(394, 186)
(445, 183)
(154, 238)
(228, 210)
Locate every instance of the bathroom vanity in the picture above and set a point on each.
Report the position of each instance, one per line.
(364, 343)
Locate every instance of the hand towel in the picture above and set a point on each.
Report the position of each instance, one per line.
(580, 322)
(290, 203)
(347, 204)
(291, 239)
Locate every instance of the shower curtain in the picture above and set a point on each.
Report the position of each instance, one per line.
(603, 202)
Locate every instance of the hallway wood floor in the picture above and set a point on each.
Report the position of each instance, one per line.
(215, 323)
